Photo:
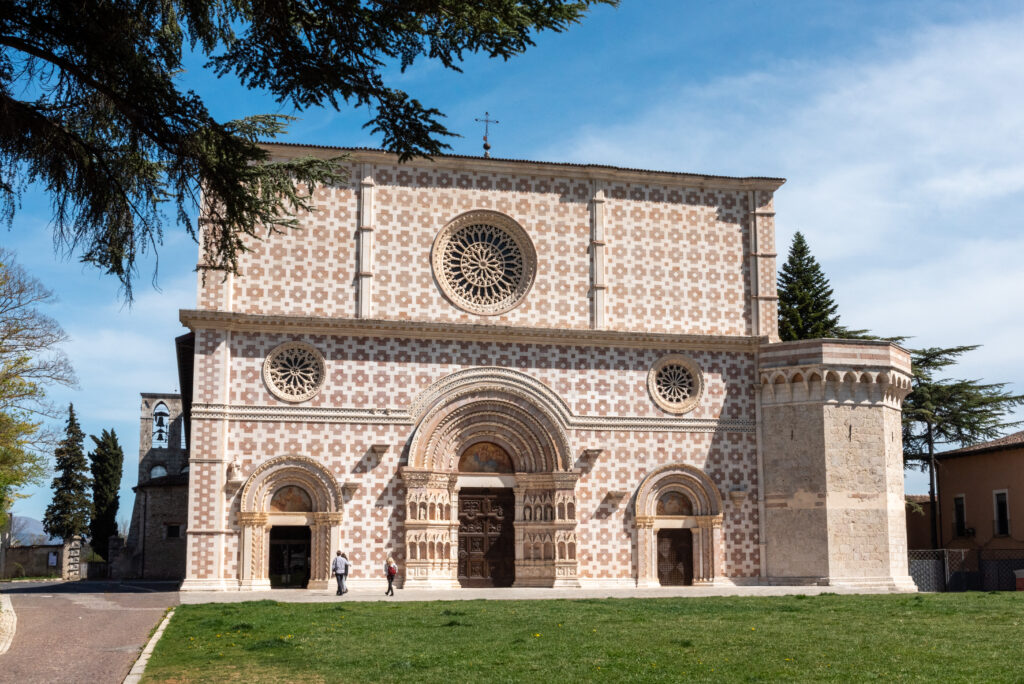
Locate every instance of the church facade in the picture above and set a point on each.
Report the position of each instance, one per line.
(510, 373)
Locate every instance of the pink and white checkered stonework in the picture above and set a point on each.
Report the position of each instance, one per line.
(533, 374)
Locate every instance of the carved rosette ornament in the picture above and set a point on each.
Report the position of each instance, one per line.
(675, 383)
(484, 262)
(294, 371)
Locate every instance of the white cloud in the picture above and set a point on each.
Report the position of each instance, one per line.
(904, 173)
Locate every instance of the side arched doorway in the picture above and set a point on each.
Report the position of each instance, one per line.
(678, 528)
(291, 523)
(490, 497)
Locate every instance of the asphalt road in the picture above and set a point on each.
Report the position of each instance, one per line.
(81, 631)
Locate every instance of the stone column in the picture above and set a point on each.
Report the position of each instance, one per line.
(325, 534)
(646, 553)
(253, 549)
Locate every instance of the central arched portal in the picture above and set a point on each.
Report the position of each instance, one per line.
(490, 500)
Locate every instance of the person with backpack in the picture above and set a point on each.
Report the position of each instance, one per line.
(390, 571)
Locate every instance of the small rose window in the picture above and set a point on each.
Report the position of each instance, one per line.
(294, 371)
(675, 383)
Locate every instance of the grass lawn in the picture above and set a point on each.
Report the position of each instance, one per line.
(940, 637)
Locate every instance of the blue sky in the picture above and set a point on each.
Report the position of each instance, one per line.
(898, 124)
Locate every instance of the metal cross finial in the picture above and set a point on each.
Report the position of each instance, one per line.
(487, 121)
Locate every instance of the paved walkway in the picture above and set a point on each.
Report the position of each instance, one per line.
(80, 631)
(376, 593)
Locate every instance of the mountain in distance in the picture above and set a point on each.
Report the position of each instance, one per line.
(29, 531)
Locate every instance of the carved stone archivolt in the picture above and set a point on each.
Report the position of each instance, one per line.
(305, 483)
(475, 424)
(678, 495)
(484, 262)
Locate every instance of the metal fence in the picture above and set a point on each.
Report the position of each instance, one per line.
(965, 569)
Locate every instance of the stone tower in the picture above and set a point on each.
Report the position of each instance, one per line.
(833, 462)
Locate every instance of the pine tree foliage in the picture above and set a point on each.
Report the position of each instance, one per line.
(92, 109)
(943, 413)
(70, 510)
(106, 462)
(806, 308)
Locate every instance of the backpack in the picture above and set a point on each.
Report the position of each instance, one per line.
(392, 570)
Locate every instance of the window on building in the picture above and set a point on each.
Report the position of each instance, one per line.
(184, 469)
(173, 531)
(161, 426)
(959, 516)
(157, 471)
(1002, 515)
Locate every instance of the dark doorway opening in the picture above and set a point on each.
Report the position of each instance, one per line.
(675, 557)
(289, 556)
(486, 538)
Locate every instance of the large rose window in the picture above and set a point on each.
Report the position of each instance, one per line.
(484, 262)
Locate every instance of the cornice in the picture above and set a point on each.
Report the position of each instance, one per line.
(393, 416)
(196, 319)
(526, 167)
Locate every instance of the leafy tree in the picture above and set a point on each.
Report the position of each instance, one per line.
(30, 361)
(806, 308)
(943, 411)
(91, 105)
(69, 512)
(106, 462)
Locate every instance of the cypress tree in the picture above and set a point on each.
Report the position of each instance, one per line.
(806, 308)
(106, 462)
(69, 512)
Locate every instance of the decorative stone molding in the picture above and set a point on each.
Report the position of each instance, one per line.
(281, 471)
(197, 319)
(536, 168)
(294, 371)
(834, 385)
(675, 383)
(485, 412)
(379, 449)
(251, 518)
(397, 416)
(484, 262)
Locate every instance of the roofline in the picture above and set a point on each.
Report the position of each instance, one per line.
(980, 449)
(592, 171)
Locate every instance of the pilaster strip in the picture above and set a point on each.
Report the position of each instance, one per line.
(755, 274)
(364, 273)
(597, 244)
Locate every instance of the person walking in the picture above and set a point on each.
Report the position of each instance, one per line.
(390, 571)
(340, 567)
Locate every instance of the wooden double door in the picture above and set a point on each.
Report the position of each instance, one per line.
(486, 537)
(675, 557)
